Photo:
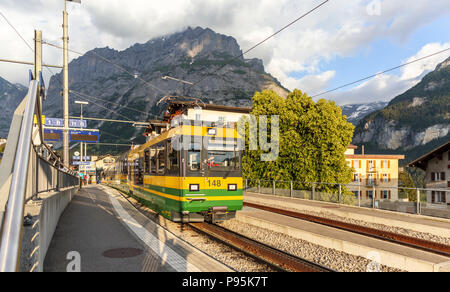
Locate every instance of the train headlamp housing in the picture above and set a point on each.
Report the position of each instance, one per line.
(232, 187)
(194, 187)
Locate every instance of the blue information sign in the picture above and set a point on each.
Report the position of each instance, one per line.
(54, 122)
(81, 163)
(84, 136)
(53, 135)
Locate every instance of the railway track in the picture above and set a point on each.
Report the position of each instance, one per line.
(278, 259)
(425, 245)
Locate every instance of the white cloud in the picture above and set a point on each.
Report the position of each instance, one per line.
(418, 69)
(384, 87)
(337, 29)
(311, 82)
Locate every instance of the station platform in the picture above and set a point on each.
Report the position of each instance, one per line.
(110, 235)
(390, 254)
(425, 224)
(386, 253)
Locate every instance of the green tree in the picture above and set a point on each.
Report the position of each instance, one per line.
(313, 140)
(406, 180)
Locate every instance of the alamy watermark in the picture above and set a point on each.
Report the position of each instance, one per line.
(375, 262)
(217, 137)
(74, 266)
(374, 8)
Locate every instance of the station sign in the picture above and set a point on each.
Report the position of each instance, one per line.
(84, 136)
(54, 122)
(56, 135)
(53, 135)
(81, 163)
(85, 158)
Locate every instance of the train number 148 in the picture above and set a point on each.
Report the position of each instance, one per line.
(214, 183)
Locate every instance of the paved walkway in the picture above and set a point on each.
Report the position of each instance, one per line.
(110, 235)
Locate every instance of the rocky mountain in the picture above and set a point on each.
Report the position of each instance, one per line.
(10, 97)
(355, 112)
(414, 120)
(190, 55)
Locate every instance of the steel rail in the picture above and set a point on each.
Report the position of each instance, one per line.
(409, 241)
(278, 259)
(12, 225)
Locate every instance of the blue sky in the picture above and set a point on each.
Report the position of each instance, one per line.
(382, 54)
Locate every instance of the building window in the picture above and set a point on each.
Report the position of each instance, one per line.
(370, 194)
(356, 194)
(385, 195)
(385, 177)
(356, 177)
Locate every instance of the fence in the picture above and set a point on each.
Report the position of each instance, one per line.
(378, 196)
(29, 167)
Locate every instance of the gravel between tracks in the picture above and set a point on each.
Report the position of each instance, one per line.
(221, 252)
(398, 230)
(336, 260)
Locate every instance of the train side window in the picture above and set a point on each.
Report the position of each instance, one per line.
(172, 158)
(161, 158)
(147, 161)
(153, 160)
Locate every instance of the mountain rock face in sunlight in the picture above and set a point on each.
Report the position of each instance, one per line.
(190, 55)
(10, 97)
(414, 121)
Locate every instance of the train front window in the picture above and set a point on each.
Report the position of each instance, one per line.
(223, 160)
(194, 157)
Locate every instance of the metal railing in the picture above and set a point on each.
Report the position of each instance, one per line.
(381, 195)
(29, 167)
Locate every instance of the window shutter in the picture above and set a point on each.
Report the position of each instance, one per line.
(390, 195)
(389, 164)
(433, 197)
(433, 176)
(444, 197)
(367, 194)
(359, 163)
(382, 163)
(389, 177)
(353, 163)
(442, 175)
(374, 164)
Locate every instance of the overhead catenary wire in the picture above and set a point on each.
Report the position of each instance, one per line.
(258, 44)
(380, 73)
(115, 103)
(98, 56)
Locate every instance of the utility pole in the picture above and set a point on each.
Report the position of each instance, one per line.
(66, 82)
(66, 87)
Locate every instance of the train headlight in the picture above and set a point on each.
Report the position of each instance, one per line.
(232, 187)
(194, 188)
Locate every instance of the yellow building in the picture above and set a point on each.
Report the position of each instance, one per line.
(375, 176)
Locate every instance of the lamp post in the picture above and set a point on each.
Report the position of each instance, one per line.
(178, 80)
(81, 103)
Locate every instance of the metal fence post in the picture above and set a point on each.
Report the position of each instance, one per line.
(259, 186)
(418, 202)
(313, 192)
(373, 196)
(292, 190)
(359, 194)
(246, 184)
(340, 193)
(273, 187)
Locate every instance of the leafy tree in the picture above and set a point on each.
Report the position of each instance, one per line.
(2, 148)
(406, 180)
(313, 138)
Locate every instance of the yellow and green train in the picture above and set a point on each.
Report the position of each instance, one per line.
(190, 173)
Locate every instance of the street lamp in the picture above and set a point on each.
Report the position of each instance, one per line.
(81, 103)
(178, 80)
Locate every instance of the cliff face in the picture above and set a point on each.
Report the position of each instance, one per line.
(413, 119)
(190, 55)
(10, 97)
